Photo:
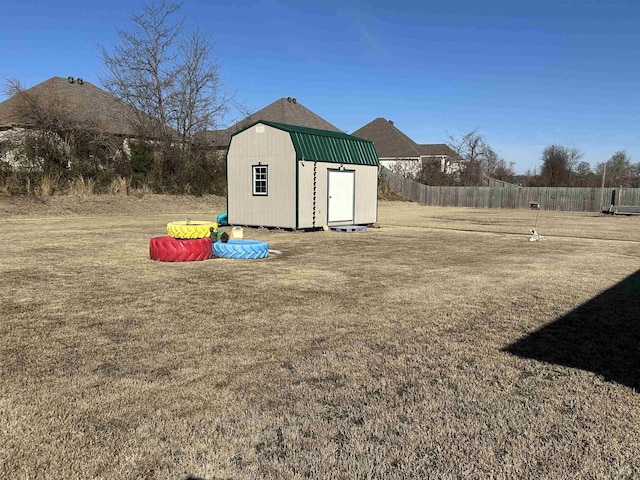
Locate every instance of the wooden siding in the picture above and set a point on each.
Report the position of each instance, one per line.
(366, 193)
(273, 148)
(574, 199)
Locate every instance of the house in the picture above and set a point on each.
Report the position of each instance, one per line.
(62, 106)
(81, 101)
(397, 151)
(292, 176)
(442, 154)
(285, 110)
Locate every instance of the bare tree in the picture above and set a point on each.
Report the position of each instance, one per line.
(583, 176)
(573, 157)
(620, 171)
(583, 169)
(635, 174)
(505, 171)
(555, 166)
(167, 73)
(171, 77)
(531, 178)
(479, 158)
(470, 148)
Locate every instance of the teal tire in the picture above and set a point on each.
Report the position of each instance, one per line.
(241, 249)
(222, 219)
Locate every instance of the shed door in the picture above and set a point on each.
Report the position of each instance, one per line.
(341, 195)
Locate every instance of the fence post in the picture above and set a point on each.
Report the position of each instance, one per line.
(604, 174)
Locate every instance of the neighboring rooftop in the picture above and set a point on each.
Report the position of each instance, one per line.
(391, 143)
(90, 104)
(313, 144)
(285, 110)
(82, 99)
(436, 150)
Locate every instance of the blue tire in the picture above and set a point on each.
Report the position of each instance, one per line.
(245, 249)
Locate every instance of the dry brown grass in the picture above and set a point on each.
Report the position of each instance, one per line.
(142, 204)
(370, 355)
(48, 185)
(82, 186)
(119, 186)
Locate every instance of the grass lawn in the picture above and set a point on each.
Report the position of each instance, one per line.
(443, 344)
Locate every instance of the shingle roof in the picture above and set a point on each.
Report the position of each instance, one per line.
(285, 110)
(389, 141)
(85, 101)
(327, 145)
(436, 150)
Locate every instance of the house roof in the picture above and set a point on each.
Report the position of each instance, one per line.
(390, 142)
(313, 144)
(81, 99)
(436, 150)
(285, 110)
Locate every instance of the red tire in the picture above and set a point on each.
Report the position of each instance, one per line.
(169, 249)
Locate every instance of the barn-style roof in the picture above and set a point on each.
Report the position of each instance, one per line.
(317, 145)
(285, 110)
(83, 101)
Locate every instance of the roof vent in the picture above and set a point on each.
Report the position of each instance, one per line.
(390, 122)
(71, 79)
(294, 100)
(289, 99)
(80, 81)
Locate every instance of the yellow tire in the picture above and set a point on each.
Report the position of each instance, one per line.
(191, 230)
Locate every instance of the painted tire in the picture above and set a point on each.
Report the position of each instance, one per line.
(169, 249)
(191, 229)
(241, 249)
(222, 219)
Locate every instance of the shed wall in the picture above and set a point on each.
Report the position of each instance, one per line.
(366, 194)
(273, 148)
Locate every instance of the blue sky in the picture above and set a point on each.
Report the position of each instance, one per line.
(525, 73)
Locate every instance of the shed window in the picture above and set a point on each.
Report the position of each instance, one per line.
(260, 179)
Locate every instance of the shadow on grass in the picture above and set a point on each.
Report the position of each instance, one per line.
(601, 336)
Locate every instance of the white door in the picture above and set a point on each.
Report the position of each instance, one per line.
(341, 195)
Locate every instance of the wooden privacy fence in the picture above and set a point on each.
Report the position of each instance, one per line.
(575, 199)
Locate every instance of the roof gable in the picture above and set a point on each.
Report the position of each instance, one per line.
(390, 142)
(82, 100)
(326, 145)
(285, 111)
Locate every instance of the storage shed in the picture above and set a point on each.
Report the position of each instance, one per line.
(288, 176)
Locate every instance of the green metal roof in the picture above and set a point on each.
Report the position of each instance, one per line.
(327, 146)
